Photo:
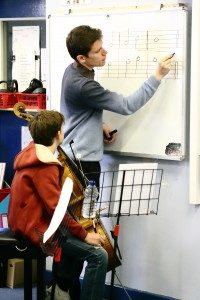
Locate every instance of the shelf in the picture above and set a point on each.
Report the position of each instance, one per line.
(28, 109)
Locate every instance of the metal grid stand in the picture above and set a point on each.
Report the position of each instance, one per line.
(126, 193)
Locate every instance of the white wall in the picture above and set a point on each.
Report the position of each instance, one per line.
(161, 253)
(194, 166)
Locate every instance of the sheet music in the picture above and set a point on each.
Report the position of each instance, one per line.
(26, 48)
(139, 189)
(60, 210)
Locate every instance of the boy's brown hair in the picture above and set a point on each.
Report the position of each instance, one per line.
(45, 125)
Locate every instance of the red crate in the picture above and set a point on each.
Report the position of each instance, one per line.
(7, 100)
(32, 100)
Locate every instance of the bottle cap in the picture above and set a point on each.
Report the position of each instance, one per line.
(92, 182)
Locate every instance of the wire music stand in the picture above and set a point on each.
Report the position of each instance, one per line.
(128, 193)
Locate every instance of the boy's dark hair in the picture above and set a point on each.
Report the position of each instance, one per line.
(45, 125)
(80, 40)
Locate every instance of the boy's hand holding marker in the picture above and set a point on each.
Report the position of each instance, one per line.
(164, 66)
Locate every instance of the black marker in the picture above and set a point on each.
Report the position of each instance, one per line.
(172, 55)
(111, 134)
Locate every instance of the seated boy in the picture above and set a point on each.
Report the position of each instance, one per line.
(35, 192)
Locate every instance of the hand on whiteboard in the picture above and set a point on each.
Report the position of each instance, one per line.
(108, 134)
(164, 66)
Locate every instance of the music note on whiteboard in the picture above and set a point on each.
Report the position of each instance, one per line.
(132, 53)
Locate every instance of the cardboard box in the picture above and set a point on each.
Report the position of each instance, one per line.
(15, 272)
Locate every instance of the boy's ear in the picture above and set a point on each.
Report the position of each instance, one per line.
(58, 133)
(81, 58)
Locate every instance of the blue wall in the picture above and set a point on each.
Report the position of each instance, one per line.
(21, 8)
(10, 125)
(10, 140)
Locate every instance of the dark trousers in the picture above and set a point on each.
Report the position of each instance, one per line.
(92, 170)
(73, 268)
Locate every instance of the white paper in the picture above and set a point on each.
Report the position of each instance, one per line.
(25, 137)
(5, 220)
(44, 66)
(2, 173)
(25, 48)
(139, 192)
(60, 210)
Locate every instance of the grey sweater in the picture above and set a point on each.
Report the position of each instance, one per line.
(82, 103)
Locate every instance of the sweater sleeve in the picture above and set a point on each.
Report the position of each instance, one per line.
(48, 188)
(112, 101)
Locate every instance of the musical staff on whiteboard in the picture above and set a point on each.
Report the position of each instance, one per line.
(135, 54)
(157, 40)
(136, 69)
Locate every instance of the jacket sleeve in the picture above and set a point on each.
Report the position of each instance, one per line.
(74, 227)
(48, 187)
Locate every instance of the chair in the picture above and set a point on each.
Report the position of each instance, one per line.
(11, 247)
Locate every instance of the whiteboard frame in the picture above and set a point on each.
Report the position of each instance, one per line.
(185, 84)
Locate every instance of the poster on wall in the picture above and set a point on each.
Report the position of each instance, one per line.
(26, 54)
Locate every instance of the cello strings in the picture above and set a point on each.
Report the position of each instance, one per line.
(77, 156)
(60, 234)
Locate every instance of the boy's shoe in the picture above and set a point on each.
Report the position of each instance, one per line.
(59, 294)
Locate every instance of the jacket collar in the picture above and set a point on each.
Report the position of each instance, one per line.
(45, 155)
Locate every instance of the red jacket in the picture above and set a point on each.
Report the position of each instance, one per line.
(35, 192)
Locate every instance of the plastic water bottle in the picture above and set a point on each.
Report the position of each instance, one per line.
(89, 203)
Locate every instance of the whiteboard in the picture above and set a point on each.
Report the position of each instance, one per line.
(135, 41)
